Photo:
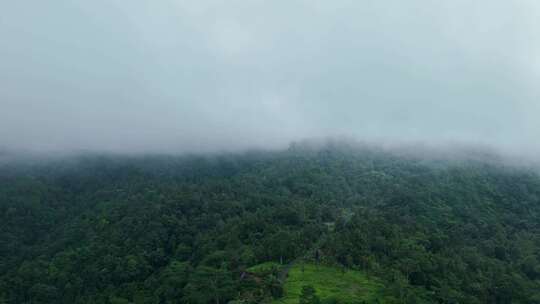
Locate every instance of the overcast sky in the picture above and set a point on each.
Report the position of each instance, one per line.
(171, 75)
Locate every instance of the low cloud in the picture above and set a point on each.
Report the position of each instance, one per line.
(179, 76)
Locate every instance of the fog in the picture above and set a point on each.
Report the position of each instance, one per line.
(177, 76)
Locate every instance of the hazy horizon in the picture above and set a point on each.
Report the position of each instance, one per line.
(206, 76)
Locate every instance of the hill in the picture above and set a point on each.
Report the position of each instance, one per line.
(190, 229)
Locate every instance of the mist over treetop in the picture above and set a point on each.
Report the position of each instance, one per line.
(174, 76)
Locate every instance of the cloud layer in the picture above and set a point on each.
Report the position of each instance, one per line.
(167, 76)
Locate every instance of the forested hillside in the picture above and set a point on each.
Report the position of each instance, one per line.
(196, 229)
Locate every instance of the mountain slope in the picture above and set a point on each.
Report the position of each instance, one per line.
(162, 229)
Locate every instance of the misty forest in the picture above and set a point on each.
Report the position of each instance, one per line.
(270, 152)
(333, 224)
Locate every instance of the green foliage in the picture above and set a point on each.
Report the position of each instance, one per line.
(265, 268)
(330, 284)
(209, 285)
(159, 229)
(308, 295)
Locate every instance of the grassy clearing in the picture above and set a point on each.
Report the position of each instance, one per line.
(330, 282)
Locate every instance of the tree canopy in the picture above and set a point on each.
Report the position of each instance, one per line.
(163, 229)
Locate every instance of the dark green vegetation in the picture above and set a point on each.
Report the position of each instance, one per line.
(188, 229)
